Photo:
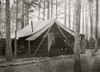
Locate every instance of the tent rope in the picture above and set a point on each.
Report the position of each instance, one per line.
(42, 41)
(65, 37)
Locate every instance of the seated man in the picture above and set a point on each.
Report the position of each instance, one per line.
(67, 49)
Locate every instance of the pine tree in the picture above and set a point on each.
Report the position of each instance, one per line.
(91, 15)
(38, 10)
(27, 12)
(69, 15)
(51, 9)
(44, 10)
(56, 8)
(0, 11)
(23, 6)
(9, 56)
(48, 8)
(77, 64)
(83, 20)
(15, 49)
(96, 27)
(65, 14)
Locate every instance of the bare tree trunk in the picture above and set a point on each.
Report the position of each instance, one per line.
(56, 9)
(13, 20)
(0, 11)
(23, 16)
(86, 24)
(0, 24)
(77, 64)
(27, 13)
(91, 20)
(65, 14)
(73, 25)
(38, 10)
(85, 28)
(44, 11)
(9, 55)
(96, 27)
(69, 15)
(48, 15)
(51, 9)
(15, 50)
(83, 21)
(0, 6)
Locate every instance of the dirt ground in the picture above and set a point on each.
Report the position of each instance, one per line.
(55, 65)
(60, 64)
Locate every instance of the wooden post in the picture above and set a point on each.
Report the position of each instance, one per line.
(82, 44)
(32, 26)
(29, 51)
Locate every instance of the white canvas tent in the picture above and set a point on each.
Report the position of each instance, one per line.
(39, 28)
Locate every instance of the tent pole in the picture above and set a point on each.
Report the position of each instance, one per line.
(64, 36)
(42, 41)
(28, 47)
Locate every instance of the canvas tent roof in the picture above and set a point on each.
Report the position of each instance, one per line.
(39, 28)
(27, 30)
(48, 25)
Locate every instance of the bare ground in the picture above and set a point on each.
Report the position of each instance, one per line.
(59, 64)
